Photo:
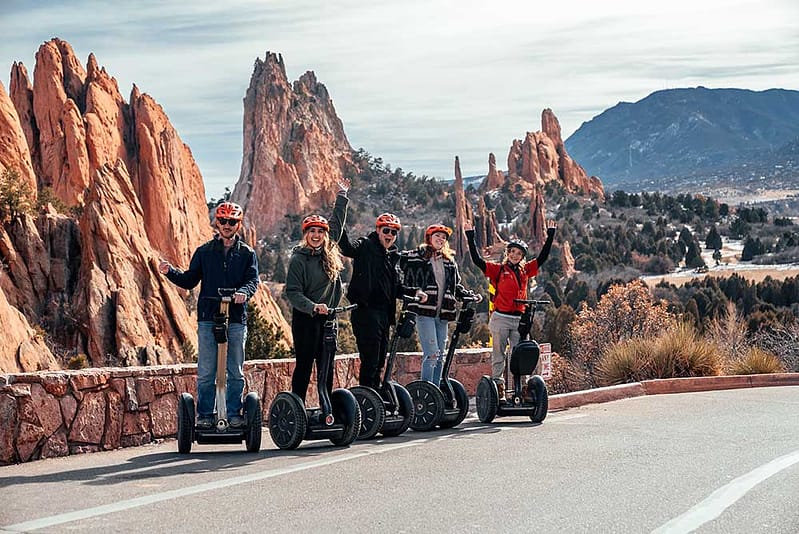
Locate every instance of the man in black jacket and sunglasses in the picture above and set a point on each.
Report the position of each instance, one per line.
(375, 286)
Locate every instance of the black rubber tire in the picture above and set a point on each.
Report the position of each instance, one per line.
(254, 418)
(288, 421)
(540, 398)
(461, 401)
(487, 399)
(373, 411)
(405, 410)
(347, 412)
(428, 405)
(185, 423)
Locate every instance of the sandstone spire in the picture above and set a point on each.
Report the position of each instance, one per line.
(295, 149)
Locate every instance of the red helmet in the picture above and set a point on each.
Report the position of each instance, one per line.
(229, 210)
(388, 219)
(433, 228)
(316, 221)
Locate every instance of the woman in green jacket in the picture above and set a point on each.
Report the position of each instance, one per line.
(312, 286)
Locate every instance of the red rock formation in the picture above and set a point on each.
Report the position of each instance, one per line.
(128, 306)
(494, 178)
(21, 347)
(538, 229)
(571, 173)
(14, 153)
(295, 149)
(463, 212)
(94, 284)
(567, 260)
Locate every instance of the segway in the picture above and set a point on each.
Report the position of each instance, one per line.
(338, 417)
(221, 432)
(388, 410)
(534, 402)
(446, 404)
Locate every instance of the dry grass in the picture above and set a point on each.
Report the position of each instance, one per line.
(677, 352)
(756, 361)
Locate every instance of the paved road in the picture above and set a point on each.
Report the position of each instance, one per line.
(717, 462)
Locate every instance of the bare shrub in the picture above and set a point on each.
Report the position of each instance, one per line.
(782, 342)
(729, 333)
(624, 312)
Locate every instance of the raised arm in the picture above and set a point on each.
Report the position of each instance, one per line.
(339, 218)
(476, 257)
(544, 254)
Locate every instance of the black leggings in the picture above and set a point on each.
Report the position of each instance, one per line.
(308, 334)
(370, 326)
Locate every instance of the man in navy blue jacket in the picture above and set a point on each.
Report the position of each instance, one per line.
(223, 262)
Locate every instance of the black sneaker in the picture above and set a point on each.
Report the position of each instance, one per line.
(237, 421)
(205, 423)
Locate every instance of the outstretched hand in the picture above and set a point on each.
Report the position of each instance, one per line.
(344, 185)
(552, 223)
(467, 225)
(164, 266)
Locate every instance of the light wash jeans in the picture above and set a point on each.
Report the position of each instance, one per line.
(206, 368)
(432, 333)
(504, 329)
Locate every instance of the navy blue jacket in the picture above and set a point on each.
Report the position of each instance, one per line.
(209, 264)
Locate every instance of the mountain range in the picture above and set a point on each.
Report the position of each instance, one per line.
(680, 135)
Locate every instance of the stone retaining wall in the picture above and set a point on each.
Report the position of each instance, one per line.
(49, 414)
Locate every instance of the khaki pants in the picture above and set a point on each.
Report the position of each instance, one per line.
(504, 330)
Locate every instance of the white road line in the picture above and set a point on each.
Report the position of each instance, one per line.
(120, 506)
(111, 508)
(565, 417)
(724, 497)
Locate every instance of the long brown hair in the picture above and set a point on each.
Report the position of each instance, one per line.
(332, 263)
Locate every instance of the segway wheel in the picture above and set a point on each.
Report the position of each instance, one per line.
(287, 420)
(487, 399)
(461, 401)
(185, 423)
(347, 412)
(538, 388)
(405, 410)
(373, 411)
(428, 405)
(254, 418)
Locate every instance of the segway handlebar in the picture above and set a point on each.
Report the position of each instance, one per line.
(410, 298)
(471, 298)
(341, 309)
(533, 302)
(224, 293)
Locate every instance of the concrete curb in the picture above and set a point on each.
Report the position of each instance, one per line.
(669, 385)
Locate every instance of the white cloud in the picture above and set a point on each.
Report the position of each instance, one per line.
(416, 82)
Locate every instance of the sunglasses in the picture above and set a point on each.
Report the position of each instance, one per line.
(228, 222)
(385, 231)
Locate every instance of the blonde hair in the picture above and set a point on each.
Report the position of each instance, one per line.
(332, 263)
(446, 251)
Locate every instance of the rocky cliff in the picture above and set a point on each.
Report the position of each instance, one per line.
(129, 191)
(295, 149)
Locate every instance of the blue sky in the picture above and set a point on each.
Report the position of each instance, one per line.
(415, 82)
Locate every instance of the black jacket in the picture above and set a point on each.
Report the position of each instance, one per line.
(238, 269)
(375, 276)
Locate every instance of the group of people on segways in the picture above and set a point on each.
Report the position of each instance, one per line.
(425, 279)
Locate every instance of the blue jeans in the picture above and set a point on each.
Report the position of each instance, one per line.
(433, 338)
(206, 368)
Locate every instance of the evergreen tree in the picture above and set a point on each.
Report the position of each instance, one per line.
(713, 239)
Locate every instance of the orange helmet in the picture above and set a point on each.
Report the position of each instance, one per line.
(388, 219)
(433, 228)
(317, 221)
(229, 210)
